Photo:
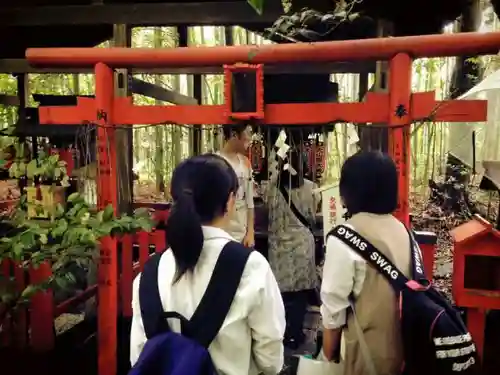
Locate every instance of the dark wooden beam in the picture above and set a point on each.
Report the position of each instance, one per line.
(171, 14)
(198, 94)
(136, 86)
(122, 37)
(151, 90)
(9, 100)
(11, 66)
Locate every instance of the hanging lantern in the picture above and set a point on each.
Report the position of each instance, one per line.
(320, 159)
(315, 152)
(255, 156)
(307, 152)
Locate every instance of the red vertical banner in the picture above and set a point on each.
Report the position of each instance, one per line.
(399, 128)
(106, 194)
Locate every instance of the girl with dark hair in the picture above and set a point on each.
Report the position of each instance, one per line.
(291, 244)
(203, 189)
(369, 191)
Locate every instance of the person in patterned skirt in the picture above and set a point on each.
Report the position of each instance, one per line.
(292, 246)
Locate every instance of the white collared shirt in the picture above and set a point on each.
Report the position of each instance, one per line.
(250, 340)
(244, 197)
(343, 274)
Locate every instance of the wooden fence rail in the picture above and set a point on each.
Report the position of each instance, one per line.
(33, 325)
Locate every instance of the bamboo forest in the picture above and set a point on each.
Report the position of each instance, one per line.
(157, 150)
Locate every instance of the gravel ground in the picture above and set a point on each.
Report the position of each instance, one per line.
(311, 325)
(65, 322)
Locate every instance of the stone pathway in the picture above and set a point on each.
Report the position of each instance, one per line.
(311, 325)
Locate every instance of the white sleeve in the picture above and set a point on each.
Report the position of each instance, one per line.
(137, 334)
(267, 322)
(339, 274)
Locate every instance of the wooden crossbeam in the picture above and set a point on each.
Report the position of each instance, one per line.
(9, 100)
(425, 107)
(12, 66)
(375, 109)
(140, 14)
(151, 90)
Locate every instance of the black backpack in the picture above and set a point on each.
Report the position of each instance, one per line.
(186, 353)
(435, 339)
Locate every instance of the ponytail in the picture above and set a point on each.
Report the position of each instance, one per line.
(184, 233)
(200, 187)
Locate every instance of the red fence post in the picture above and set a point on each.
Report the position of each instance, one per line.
(20, 330)
(476, 323)
(42, 311)
(399, 128)
(5, 324)
(160, 240)
(127, 275)
(107, 194)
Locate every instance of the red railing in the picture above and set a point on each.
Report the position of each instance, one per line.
(33, 325)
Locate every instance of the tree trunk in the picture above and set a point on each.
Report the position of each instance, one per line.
(376, 138)
(159, 153)
(467, 73)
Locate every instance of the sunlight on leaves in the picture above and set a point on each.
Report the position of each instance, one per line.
(258, 5)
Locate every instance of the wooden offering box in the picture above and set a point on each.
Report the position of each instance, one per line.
(476, 273)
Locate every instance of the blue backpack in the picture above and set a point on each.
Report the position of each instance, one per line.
(170, 353)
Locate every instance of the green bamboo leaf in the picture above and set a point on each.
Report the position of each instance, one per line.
(59, 210)
(28, 239)
(43, 239)
(108, 213)
(30, 291)
(62, 226)
(32, 169)
(258, 5)
(72, 197)
(74, 210)
(18, 249)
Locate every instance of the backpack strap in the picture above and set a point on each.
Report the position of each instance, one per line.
(363, 346)
(372, 256)
(150, 301)
(294, 209)
(417, 263)
(216, 302)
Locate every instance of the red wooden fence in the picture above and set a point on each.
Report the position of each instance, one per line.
(33, 325)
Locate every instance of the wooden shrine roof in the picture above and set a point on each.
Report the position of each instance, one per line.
(83, 23)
